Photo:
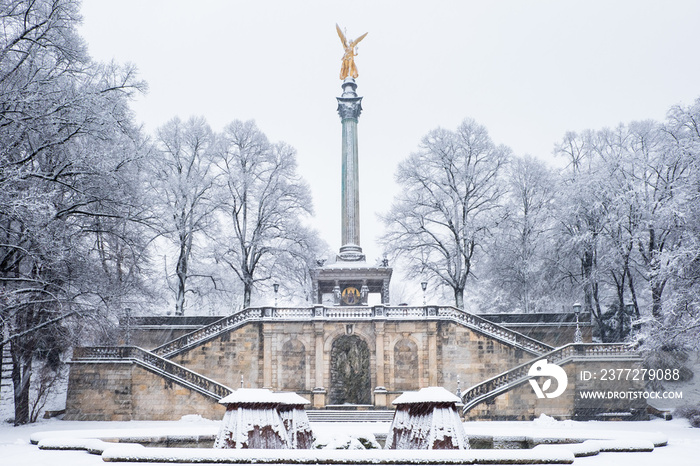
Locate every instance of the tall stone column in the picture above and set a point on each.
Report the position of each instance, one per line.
(349, 109)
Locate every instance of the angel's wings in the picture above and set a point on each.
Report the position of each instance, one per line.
(342, 36)
(345, 41)
(356, 41)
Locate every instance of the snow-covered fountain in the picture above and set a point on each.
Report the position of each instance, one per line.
(259, 418)
(295, 420)
(427, 420)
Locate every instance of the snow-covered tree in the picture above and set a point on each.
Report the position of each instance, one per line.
(518, 262)
(580, 221)
(261, 203)
(450, 202)
(181, 182)
(677, 319)
(68, 203)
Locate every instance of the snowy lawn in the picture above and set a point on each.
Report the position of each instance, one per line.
(683, 441)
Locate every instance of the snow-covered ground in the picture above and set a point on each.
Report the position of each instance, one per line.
(683, 441)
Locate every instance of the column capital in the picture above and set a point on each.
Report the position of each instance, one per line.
(349, 103)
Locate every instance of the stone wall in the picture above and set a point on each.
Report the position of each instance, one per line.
(126, 391)
(157, 398)
(473, 357)
(228, 358)
(298, 356)
(99, 392)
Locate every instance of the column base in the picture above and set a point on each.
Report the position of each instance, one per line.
(318, 398)
(380, 397)
(351, 253)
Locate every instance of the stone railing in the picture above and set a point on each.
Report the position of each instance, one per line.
(503, 382)
(494, 330)
(348, 313)
(459, 316)
(210, 331)
(162, 366)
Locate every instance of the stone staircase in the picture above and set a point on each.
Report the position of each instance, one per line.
(501, 383)
(6, 389)
(156, 364)
(347, 415)
(157, 360)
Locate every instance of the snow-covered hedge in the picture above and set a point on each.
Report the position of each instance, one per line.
(350, 441)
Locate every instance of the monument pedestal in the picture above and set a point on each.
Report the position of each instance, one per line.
(350, 283)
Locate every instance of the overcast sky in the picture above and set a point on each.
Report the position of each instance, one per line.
(527, 70)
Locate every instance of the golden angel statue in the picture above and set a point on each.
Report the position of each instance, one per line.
(348, 68)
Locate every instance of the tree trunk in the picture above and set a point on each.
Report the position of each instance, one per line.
(657, 289)
(621, 311)
(21, 377)
(181, 272)
(599, 311)
(247, 288)
(654, 249)
(459, 298)
(633, 293)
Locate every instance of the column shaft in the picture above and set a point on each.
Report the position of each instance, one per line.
(350, 185)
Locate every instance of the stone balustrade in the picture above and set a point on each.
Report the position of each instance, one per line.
(245, 316)
(164, 367)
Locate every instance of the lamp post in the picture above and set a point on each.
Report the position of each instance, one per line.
(276, 287)
(578, 337)
(424, 286)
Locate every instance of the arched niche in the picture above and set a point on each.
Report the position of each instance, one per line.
(406, 374)
(293, 366)
(350, 371)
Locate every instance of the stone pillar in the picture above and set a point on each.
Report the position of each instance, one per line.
(432, 354)
(385, 292)
(319, 393)
(267, 356)
(380, 395)
(379, 343)
(364, 293)
(349, 109)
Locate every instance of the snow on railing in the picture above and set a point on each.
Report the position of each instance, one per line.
(405, 311)
(292, 312)
(503, 382)
(348, 312)
(169, 369)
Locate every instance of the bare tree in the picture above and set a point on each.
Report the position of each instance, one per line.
(262, 201)
(67, 154)
(181, 180)
(518, 256)
(451, 200)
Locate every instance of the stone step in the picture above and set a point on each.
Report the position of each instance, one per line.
(341, 415)
(6, 374)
